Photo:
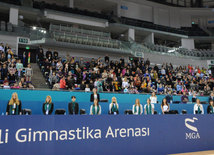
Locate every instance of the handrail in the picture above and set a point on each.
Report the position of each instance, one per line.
(59, 90)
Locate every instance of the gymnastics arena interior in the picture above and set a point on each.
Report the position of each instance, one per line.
(106, 77)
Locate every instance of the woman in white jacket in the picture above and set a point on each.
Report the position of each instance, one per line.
(137, 108)
(198, 108)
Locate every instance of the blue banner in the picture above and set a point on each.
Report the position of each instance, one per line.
(157, 134)
(34, 99)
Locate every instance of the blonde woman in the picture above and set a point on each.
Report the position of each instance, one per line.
(137, 108)
(95, 108)
(113, 107)
(14, 106)
(48, 106)
(198, 108)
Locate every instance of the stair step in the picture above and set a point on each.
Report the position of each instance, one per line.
(38, 79)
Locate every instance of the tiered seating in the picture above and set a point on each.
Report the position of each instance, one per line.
(44, 5)
(6, 26)
(16, 2)
(157, 48)
(81, 36)
(182, 51)
(191, 31)
(194, 31)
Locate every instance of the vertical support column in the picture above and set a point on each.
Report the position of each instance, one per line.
(213, 46)
(188, 43)
(70, 3)
(150, 38)
(118, 9)
(14, 14)
(131, 34)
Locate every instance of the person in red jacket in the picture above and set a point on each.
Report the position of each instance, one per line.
(62, 83)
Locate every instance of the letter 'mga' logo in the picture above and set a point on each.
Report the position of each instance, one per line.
(194, 134)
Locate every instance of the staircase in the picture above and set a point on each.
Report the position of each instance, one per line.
(38, 79)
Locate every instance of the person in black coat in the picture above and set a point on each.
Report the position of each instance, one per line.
(210, 108)
(73, 106)
(95, 95)
(48, 106)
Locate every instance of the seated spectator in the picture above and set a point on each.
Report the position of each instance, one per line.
(194, 97)
(82, 85)
(125, 83)
(210, 108)
(63, 83)
(48, 106)
(184, 89)
(165, 106)
(15, 86)
(198, 108)
(49, 53)
(160, 89)
(94, 95)
(6, 85)
(211, 96)
(73, 106)
(137, 108)
(149, 108)
(87, 89)
(153, 98)
(144, 86)
(53, 78)
(95, 108)
(179, 87)
(113, 107)
(30, 86)
(169, 97)
(22, 82)
(184, 98)
(14, 106)
(126, 90)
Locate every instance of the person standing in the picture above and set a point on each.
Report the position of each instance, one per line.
(137, 108)
(28, 73)
(14, 106)
(113, 107)
(149, 108)
(94, 95)
(73, 106)
(210, 108)
(48, 106)
(165, 106)
(198, 108)
(95, 109)
(153, 98)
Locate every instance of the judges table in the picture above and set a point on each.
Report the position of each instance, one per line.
(105, 134)
(33, 99)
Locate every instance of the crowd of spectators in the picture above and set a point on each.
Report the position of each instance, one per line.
(137, 76)
(15, 73)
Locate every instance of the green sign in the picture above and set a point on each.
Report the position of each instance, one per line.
(23, 40)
